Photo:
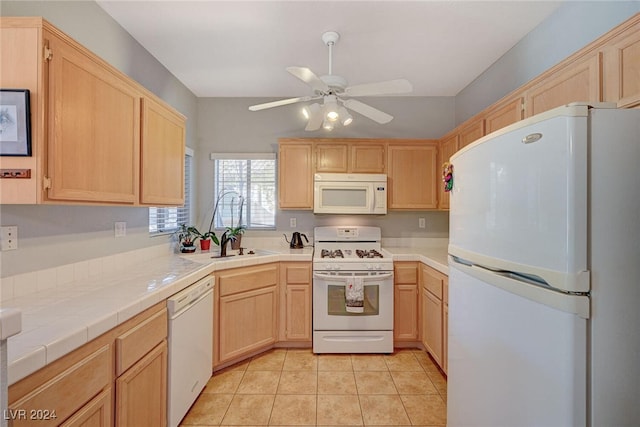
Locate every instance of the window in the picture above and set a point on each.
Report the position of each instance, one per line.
(245, 190)
(167, 220)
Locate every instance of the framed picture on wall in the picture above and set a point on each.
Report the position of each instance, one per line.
(15, 123)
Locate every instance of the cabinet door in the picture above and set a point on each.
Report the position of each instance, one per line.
(331, 158)
(503, 115)
(470, 133)
(432, 325)
(622, 70)
(162, 156)
(448, 147)
(405, 313)
(248, 322)
(411, 173)
(295, 175)
(96, 413)
(298, 312)
(576, 82)
(445, 337)
(93, 140)
(141, 392)
(367, 158)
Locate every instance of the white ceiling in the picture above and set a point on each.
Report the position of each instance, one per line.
(241, 48)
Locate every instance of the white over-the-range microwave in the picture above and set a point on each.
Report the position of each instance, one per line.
(350, 193)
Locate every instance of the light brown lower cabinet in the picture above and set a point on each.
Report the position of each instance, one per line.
(141, 392)
(96, 413)
(434, 313)
(247, 311)
(295, 301)
(405, 304)
(432, 325)
(80, 388)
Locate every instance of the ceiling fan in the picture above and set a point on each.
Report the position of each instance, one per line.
(337, 96)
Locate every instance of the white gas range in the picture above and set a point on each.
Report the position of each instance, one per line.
(352, 291)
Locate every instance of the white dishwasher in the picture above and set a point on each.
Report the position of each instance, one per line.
(190, 346)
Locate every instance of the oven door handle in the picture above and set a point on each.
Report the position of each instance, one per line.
(346, 275)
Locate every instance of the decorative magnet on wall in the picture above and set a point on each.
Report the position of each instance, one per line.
(447, 176)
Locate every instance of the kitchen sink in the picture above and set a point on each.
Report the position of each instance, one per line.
(207, 257)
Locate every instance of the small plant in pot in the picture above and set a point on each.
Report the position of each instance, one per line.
(235, 233)
(205, 238)
(187, 239)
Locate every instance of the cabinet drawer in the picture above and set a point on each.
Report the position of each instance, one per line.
(139, 340)
(69, 391)
(298, 273)
(405, 273)
(247, 279)
(432, 282)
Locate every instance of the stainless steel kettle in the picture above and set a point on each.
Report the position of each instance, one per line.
(296, 240)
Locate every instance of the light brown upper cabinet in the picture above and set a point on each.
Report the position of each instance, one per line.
(469, 132)
(448, 146)
(355, 156)
(93, 139)
(162, 151)
(295, 174)
(367, 158)
(411, 174)
(502, 115)
(622, 68)
(578, 81)
(332, 157)
(86, 124)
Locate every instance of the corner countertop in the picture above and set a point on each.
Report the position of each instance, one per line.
(66, 307)
(433, 256)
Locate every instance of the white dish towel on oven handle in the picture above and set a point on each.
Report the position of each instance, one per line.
(354, 295)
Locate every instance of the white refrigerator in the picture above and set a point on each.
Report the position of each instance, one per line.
(544, 273)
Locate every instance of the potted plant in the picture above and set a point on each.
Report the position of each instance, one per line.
(235, 233)
(187, 239)
(205, 238)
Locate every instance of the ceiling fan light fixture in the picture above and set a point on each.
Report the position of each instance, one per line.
(327, 125)
(345, 118)
(331, 108)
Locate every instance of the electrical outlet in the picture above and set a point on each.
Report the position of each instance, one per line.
(293, 223)
(422, 223)
(120, 229)
(9, 238)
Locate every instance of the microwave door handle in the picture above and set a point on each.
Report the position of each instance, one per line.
(372, 197)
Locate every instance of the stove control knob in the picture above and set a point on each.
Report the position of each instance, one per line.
(337, 267)
(369, 267)
(327, 267)
(378, 267)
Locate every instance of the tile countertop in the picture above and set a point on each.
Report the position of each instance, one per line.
(434, 256)
(58, 319)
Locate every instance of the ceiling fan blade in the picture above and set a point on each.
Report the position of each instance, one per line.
(307, 76)
(316, 117)
(381, 88)
(368, 111)
(280, 103)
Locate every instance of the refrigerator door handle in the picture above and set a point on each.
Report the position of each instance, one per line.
(577, 304)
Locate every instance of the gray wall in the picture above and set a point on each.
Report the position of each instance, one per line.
(55, 235)
(227, 125)
(49, 236)
(574, 25)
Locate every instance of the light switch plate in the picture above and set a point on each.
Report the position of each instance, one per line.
(293, 223)
(9, 237)
(422, 223)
